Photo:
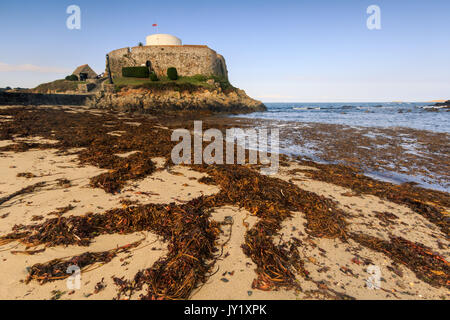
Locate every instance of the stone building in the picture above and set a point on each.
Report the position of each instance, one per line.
(84, 72)
(163, 39)
(163, 51)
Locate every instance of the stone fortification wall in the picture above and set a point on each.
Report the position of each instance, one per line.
(25, 98)
(188, 59)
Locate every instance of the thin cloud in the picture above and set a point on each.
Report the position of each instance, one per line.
(4, 67)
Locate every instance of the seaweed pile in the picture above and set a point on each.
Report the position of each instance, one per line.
(82, 130)
(277, 265)
(273, 200)
(56, 269)
(191, 237)
(28, 189)
(188, 229)
(428, 266)
(431, 204)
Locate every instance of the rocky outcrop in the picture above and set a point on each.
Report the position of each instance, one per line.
(443, 104)
(148, 100)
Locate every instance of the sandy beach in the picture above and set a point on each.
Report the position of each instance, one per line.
(76, 180)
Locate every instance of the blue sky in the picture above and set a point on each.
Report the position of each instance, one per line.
(305, 51)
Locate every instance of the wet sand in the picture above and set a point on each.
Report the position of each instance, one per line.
(396, 154)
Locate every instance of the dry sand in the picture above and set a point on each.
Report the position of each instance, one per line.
(177, 185)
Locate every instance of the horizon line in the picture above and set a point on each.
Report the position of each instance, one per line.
(349, 101)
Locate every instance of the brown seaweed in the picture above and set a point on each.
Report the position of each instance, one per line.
(431, 204)
(428, 266)
(188, 229)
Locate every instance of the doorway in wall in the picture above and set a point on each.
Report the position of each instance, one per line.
(148, 64)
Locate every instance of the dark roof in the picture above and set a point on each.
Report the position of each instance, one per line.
(85, 69)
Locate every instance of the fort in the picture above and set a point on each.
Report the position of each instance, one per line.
(163, 51)
(210, 93)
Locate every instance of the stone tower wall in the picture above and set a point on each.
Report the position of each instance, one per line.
(188, 59)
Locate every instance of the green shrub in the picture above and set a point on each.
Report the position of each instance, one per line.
(224, 83)
(172, 73)
(135, 72)
(72, 77)
(153, 76)
(199, 77)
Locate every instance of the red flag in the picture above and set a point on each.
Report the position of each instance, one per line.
(154, 25)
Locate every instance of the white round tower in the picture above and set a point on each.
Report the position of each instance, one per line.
(163, 40)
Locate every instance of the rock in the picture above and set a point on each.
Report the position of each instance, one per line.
(86, 87)
(160, 101)
(107, 87)
(443, 104)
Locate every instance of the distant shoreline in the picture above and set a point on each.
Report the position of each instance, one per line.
(420, 115)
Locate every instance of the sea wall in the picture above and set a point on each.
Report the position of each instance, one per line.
(25, 98)
(189, 60)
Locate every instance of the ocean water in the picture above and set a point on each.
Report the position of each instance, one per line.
(421, 116)
(417, 115)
